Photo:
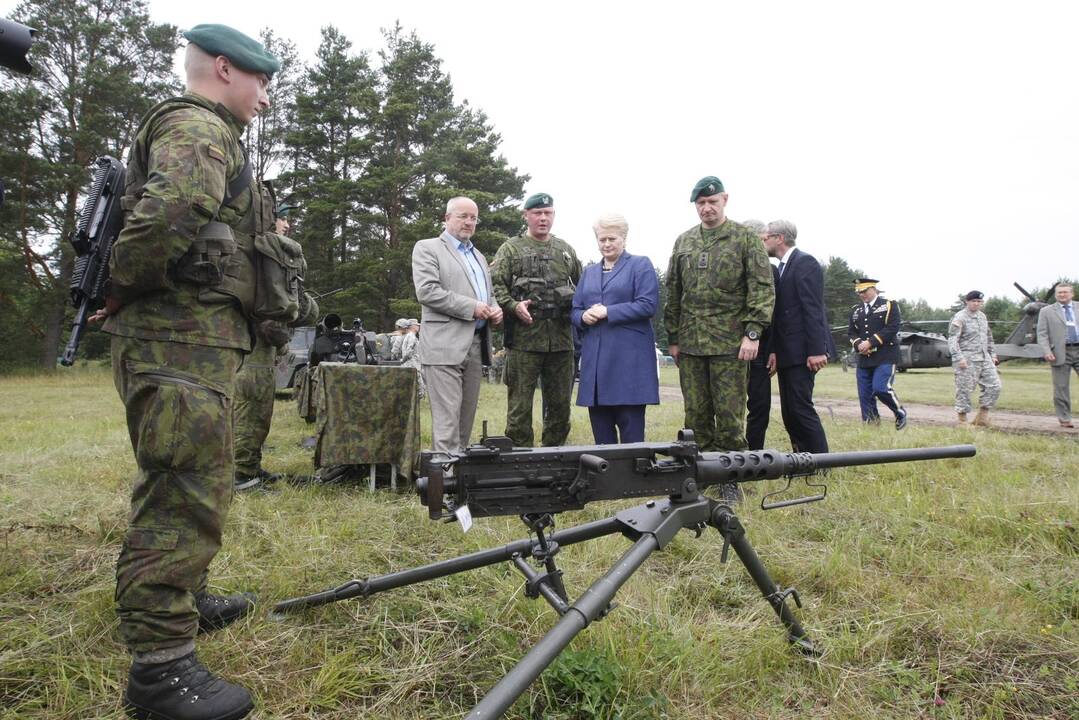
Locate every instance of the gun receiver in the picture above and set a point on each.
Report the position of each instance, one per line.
(493, 478)
(100, 222)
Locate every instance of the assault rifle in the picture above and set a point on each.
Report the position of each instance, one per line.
(494, 478)
(100, 221)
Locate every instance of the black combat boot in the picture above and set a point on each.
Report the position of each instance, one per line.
(183, 689)
(217, 611)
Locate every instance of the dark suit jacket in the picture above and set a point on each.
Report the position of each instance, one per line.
(618, 355)
(799, 325)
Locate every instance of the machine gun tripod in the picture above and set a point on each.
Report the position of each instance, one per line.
(493, 478)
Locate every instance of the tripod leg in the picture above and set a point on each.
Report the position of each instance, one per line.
(592, 603)
(483, 558)
(734, 533)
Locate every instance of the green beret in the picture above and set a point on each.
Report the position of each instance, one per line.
(283, 209)
(706, 186)
(244, 52)
(539, 200)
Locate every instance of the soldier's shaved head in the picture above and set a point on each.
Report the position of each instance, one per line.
(198, 66)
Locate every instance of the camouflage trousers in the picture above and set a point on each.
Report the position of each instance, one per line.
(714, 391)
(252, 408)
(178, 402)
(981, 373)
(553, 371)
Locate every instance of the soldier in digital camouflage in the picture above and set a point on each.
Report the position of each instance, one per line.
(534, 277)
(181, 295)
(973, 360)
(719, 300)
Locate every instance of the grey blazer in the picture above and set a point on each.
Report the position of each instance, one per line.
(1052, 332)
(447, 325)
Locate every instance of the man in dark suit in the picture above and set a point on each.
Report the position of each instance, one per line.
(759, 386)
(453, 286)
(800, 340)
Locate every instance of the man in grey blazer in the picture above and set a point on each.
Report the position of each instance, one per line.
(1059, 338)
(453, 285)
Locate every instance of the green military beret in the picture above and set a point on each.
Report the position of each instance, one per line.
(539, 200)
(244, 52)
(706, 186)
(283, 209)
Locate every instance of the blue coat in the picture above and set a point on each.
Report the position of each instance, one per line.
(618, 355)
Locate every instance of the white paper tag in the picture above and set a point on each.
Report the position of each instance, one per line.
(464, 516)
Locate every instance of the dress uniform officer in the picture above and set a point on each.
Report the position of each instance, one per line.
(874, 323)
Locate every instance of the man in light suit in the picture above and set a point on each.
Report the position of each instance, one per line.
(800, 340)
(1059, 338)
(454, 287)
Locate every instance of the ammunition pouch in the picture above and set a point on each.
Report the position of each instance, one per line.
(204, 262)
(279, 271)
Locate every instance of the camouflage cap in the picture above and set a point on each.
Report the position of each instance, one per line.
(974, 295)
(413, 321)
(539, 200)
(706, 186)
(401, 324)
(244, 52)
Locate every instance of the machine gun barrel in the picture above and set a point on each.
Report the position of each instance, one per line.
(493, 478)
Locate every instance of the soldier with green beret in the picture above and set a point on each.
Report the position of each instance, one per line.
(252, 406)
(180, 307)
(534, 277)
(720, 298)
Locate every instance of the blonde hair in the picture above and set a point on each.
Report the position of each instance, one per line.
(611, 221)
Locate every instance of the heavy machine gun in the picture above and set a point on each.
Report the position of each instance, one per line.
(494, 478)
(335, 343)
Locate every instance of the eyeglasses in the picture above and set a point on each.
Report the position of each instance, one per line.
(467, 217)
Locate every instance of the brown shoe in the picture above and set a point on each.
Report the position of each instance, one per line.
(982, 418)
(962, 418)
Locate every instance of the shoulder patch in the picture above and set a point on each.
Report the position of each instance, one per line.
(216, 153)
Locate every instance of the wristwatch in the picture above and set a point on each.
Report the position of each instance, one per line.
(753, 335)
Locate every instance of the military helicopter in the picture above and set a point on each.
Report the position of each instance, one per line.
(920, 349)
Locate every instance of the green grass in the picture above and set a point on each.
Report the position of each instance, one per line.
(951, 582)
(1026, 388)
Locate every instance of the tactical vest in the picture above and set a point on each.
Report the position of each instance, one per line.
(551, 293)
(243, 261)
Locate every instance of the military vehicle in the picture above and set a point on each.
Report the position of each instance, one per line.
(295, 357)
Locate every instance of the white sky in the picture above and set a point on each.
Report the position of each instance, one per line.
(934, 145)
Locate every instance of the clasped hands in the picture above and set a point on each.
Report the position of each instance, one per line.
(594, 314)
(490, 313)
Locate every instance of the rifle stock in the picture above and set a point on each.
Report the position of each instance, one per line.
(100, 222)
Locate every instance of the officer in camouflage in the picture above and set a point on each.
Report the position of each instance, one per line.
(534, 277)
(252, 406)
(971, 346)
(181, 293)
(720, 296)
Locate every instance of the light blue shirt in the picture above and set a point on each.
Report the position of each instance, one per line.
(475, 271)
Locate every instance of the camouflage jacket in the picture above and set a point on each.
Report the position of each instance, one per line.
(545, 272)
(717, 291)
(184, 156)
(969, 337)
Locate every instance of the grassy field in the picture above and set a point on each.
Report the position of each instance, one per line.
(1025, 388)
(937, 590)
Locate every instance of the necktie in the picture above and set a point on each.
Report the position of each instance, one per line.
(1073, 334)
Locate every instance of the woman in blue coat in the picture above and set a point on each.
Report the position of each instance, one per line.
(613, 308)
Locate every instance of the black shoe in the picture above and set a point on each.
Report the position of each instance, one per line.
(251, 482)
(217, 611)
(183, 690)
(901, 419)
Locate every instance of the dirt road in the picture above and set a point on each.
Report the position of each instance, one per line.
(1006, 421)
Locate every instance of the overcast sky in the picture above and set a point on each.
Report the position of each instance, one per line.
(934, 145)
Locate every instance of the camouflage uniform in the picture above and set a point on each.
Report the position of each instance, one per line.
(252, 408)
(969, 337)
(547, 272)
(719, 286)
(410, 358)
(176, 348)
